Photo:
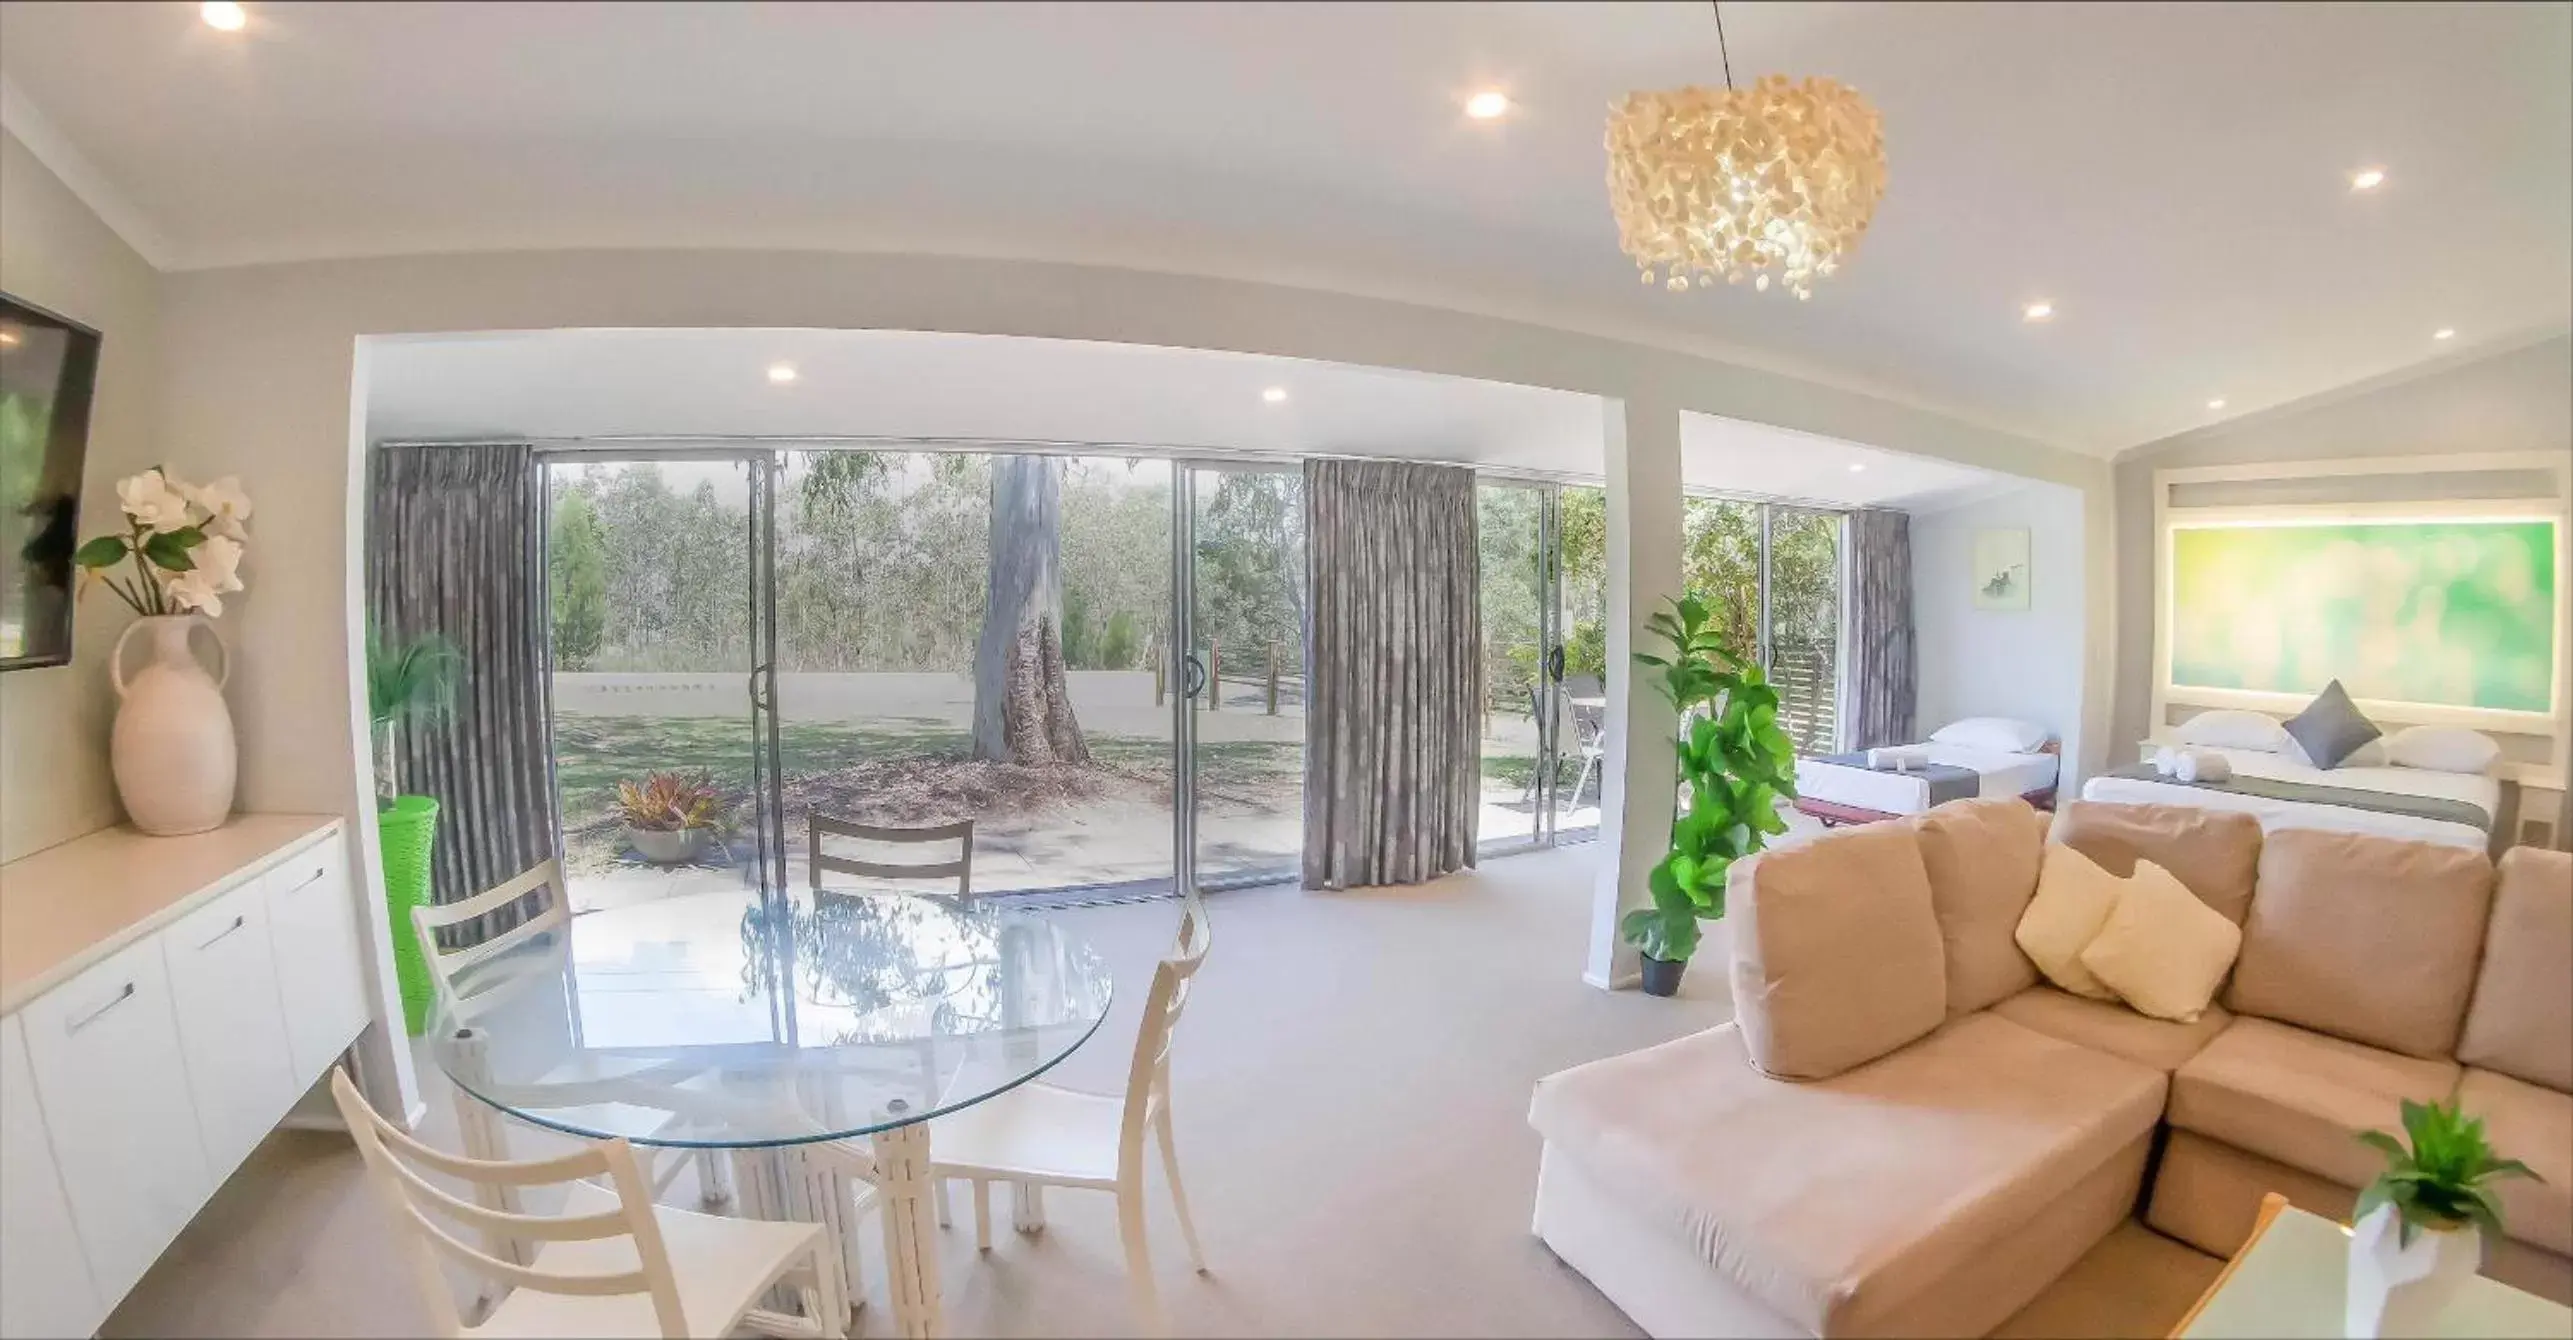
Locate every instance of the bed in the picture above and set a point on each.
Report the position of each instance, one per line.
(2285, 791)
(1965, 760)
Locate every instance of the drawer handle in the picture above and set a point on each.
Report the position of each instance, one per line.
(309, 880)
(237, 923)
(92, 1017)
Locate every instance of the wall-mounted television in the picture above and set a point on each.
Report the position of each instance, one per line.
(48, 368)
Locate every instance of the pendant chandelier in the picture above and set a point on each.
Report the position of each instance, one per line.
(1782, 176)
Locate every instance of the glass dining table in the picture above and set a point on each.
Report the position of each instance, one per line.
(796, 1047)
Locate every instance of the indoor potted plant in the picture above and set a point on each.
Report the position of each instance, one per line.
(1735, 763)
(414, 681)
(2416, 1234)
(670, 819)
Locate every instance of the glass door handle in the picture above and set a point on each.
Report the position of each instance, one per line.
(1192, 676)
(1554, 663)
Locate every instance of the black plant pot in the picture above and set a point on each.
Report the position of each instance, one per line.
(1662, 975)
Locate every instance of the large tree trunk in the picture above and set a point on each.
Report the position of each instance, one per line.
(1022, 709)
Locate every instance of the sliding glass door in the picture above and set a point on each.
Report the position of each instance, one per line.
(1514, 524)
(1804, 625)
(1244, 672)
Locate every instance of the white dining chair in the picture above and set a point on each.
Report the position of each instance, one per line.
(1039, 1135)
(610, 1264)
(463, 978)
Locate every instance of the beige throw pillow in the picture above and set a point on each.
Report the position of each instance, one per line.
(2162, 950)
(2074, 899)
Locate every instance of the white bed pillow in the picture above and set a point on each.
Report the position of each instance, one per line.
(2001, 734)
(2228, 729)
(2443, 749)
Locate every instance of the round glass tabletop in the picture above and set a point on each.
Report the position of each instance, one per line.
(702, 1023)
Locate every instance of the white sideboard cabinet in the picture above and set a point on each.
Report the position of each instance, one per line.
(163, 1003)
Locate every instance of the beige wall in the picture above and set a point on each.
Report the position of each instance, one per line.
(2516, 401)
(53, 722)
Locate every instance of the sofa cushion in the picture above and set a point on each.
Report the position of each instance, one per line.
(1982, 858)
(2368, 938)
(2302, 1098)
(1836, 953)
(2521, 1021)
(2161, 950)
(2074, 898)
(2112, 1027)
(2215, 852)
(1833, 1202)
(2535, 1126)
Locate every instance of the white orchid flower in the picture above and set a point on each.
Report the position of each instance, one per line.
(225, 506)
(194, 590)
(218, 559)
(153, 501)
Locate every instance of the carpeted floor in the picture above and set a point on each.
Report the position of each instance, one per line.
(1351, 1085)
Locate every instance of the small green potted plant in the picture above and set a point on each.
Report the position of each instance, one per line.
(1735, 763)
(2416, 1234)
(407, 681)
(672, 818)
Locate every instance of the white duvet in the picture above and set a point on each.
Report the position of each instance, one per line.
(2482, 792)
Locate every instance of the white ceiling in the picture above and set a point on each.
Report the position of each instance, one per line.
(683, 383)
(2172, 177)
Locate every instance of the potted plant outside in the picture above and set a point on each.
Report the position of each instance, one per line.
(2417, 1232)
(671, 819)
(407, 681)
(1734, 763)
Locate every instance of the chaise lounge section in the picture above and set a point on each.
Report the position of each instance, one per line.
(1906, 1132)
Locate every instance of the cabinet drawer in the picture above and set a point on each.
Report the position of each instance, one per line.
(45, 1287)
(223, 981)
(321, 975)
(111, 1078)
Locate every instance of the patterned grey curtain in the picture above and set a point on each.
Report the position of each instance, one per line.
(1883, 667)
(456, 545)
(1393, 728)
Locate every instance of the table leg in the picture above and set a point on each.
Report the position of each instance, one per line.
(910, 1233)
(1027, 1207)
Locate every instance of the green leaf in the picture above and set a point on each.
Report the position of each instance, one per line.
(2385, 1144)
(168, 551)
(105, 551)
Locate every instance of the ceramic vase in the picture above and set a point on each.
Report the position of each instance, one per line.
(2399, 1289)
(172, 748)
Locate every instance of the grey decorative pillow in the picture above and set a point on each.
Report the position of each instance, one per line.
(2330, 728)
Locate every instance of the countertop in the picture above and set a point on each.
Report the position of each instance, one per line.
(68, 906)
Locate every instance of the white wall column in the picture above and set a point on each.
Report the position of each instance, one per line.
(1640, 780)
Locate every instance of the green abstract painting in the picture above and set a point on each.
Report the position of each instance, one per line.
(2457, 613)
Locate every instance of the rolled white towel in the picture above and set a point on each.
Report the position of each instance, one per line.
(2203, 765)
(2166, 761)
(1900, 758)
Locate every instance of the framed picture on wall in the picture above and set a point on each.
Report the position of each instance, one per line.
(2001, 569)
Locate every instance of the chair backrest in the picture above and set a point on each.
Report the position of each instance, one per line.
(1148, 1080)
(395, 1163)
(960, 869)
(446, 966)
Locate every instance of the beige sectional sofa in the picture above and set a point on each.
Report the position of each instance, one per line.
(1906, 1132)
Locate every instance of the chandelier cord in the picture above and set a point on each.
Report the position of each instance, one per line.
(1720, 45)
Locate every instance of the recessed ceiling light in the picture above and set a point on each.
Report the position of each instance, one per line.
(1275, 395)
(1857, 466)
(1488, 104)
(8, 337)
(781, 373)
(2367, 179)
(2217, 403)
(223, 14)
(2040, 310)
(2444, 333)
